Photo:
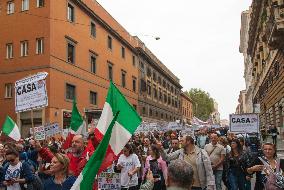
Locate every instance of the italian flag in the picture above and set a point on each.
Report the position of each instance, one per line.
(117, 123)
(77, 126)
(11, 129)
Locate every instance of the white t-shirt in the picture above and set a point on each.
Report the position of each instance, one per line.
(13, 172)
(128, 163)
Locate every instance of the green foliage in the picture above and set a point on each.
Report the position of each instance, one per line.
(203, 104)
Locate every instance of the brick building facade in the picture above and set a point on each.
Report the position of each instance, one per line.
(81, 47)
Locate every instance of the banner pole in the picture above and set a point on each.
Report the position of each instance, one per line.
(32, 119)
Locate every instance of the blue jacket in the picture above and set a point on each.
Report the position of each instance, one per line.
(66, 185)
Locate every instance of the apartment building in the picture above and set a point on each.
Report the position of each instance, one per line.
(81, 47)
(159, 89)
(244, 37)
(186, 108)
(265, 47)
(78, 44)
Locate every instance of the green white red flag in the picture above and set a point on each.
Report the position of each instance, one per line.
(118, 122)
(11, 129)
(77, 126)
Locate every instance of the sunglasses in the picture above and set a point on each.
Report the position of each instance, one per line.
(11, 161)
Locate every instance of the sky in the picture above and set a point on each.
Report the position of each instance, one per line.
(199, 41)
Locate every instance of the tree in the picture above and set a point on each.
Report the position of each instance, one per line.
(203, 104)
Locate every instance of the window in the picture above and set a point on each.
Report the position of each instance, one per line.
(143, 86)
(8, 90)
(134, 84)
(144, 110)
(39, 46)
(142, 65)
(123, 79)
(24, 48)
(154, 76)
(159, 80)
(10, 7)
(149, 73)
(40, 3)
(110, 72)
(70, 52)
(25, 5)
(155, 92)
(70, 92)
(150, 112)
(93, 29)
(149, 88)
(133, 60)
(93, 98)
(93, 60)
(70, 13)
(109, 42)
(160, 94)
(165, 97)
(169, 99)
(123, 52)
(9, 51)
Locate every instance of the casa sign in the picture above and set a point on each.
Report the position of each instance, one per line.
(244, 123)
(30, 92)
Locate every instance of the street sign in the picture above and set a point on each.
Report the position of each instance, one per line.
(244, 123)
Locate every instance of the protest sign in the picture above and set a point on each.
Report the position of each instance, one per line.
(244, 123)
(109, 181)
(52, 129)
(39, 133)
(30, 92)
(48, 130)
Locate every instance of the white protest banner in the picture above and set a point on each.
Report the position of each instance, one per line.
(109, 181)
(175, 126)
(30, 92)
(244, 123)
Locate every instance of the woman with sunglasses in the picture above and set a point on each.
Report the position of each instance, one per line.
(60, 179)
(129, 164)
(16, 173)
(265, 168)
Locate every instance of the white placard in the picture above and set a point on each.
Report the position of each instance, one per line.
(52, 129)
(244, 123)
(30, 92)
(109, 181)
(48, 130)
(39, 133)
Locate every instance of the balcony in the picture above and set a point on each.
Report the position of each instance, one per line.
(274, 29)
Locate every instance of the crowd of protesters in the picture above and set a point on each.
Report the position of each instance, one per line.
(209, 159)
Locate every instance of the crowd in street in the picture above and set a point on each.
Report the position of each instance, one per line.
(209, 159)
